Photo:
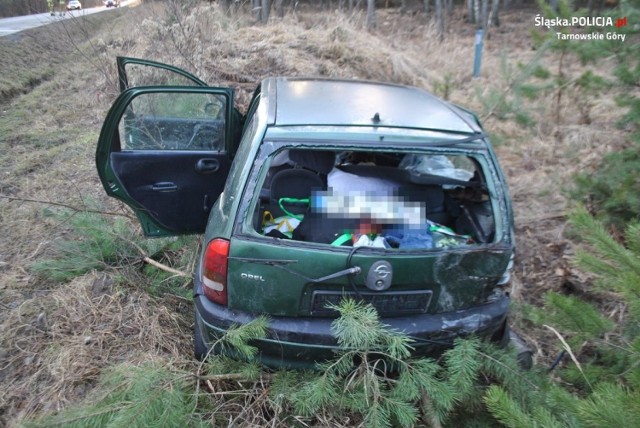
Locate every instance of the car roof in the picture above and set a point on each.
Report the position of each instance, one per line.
(315, 101)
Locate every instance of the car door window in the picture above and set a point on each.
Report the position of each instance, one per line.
(175, 121)
(166, 152)
(142, 75)
(134, 72)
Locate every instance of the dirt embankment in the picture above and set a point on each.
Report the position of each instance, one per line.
(58, 82)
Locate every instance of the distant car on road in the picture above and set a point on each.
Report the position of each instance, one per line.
(112, 3)
(74, 5)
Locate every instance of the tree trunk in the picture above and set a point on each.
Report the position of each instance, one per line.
(485, 15)
(264, 11)
(371, 14)
(280, 8)
(439, 20)
(235, 6)
(403, 6)
(426, 7)
(226, 6)
(495, 13)
(255, 9)
(471, 11)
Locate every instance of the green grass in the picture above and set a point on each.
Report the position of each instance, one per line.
(134, 396)
(97, 242)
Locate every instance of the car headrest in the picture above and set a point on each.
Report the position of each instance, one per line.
(321, 161)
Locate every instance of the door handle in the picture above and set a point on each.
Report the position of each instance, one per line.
(164, 186)
(207, 165)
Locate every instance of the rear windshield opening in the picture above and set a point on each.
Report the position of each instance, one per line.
(376, 199)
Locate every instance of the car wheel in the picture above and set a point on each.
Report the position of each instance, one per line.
(524, 354)
(199, 348)
(525, 360)
(501, 337)
(505, 337)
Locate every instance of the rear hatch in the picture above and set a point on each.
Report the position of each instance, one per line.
(412, 232)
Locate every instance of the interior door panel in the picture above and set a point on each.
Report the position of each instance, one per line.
(170, 187)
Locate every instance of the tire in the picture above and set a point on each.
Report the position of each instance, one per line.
(501, 337)
(200, 349)
(524, 354)
(525, 360)
(505, 337)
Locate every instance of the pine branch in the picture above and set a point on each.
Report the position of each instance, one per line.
(505, 409)
(511, 370)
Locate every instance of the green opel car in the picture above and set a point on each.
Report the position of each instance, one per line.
(323, 190)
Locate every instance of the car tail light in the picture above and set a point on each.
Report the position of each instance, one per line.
(214, 271)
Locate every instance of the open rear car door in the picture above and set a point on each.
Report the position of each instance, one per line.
(166, 146)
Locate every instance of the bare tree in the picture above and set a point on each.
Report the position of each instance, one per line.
(479, 14)
(226, 5)
(279, 5)
(485, 15)
(471, 11)
(264, 11)
(440, 20)
(371, 14)
(255, 8)
(495, 13)
(354, 4)
(403, 6)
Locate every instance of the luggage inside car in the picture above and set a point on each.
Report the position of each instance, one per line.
(385, 200)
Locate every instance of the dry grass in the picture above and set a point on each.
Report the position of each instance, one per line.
(61, 339)
(56, 339)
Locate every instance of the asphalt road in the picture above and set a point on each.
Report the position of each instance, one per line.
(19, 23)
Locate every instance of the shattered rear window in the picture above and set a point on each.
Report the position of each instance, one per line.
(377, 199)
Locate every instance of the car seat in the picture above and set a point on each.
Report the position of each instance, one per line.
(290, 187)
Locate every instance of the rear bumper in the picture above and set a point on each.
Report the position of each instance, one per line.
(301, 342)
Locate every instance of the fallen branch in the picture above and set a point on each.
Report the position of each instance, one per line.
(165, 267)
(152, 262)
(144, 255)
(71, 207)
(222, 377)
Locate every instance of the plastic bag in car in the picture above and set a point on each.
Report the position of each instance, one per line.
(439, 165)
